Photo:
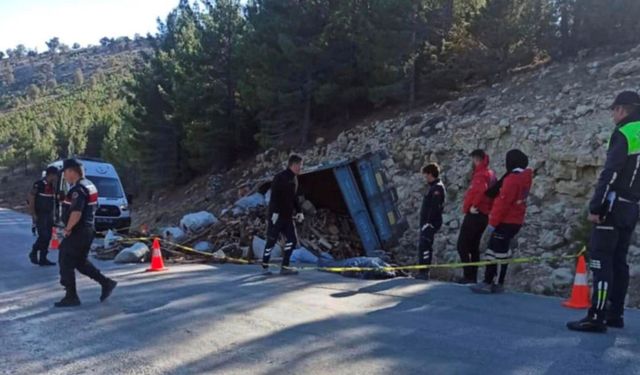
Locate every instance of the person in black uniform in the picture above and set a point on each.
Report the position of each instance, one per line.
(78, 216)
(282, 206)
(41, 207)
(613, 210)
(430, 216)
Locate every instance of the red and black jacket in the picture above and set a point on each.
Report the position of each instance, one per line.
(511, 205)
(44, 194)
(82, 197)
(483, 178)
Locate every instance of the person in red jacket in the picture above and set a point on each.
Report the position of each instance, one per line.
(476, 208)
(506, 218)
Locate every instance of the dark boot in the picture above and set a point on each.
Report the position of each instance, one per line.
(464, 281)
(265, 269)
(70, 300)
(33, 257)
(482, 288)
(45, 262)
(614, 321)
(107, 288)
(285, 271)
(497, 288)
(588, 324)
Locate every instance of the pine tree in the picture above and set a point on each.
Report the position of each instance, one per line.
(156, 137)
(78, 77)
(284, 54)
(7, 74)
(221, 132)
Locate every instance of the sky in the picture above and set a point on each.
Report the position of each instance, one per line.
(32, 22)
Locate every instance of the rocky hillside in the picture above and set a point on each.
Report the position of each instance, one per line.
(557, 114)
(70, 68)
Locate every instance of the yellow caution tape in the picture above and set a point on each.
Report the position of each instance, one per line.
(414, 267)
(417, 267)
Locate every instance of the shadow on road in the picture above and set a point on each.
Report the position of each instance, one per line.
(399, 325)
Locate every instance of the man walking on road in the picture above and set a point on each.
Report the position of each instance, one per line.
(78, 216)
(505, 220)
(613, 210)
(476, 208)
(430, 216)
(282, 206)
(41, 207)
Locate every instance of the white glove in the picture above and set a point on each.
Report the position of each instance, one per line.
(473, 210)
(300, 217)
(274, 218)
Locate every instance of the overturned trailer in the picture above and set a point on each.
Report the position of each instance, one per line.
(359, 189)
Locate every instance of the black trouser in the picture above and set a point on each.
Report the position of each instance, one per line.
(74, 252)
(608, 250)
(284, 227)
(44, 226)
(498, 249)
(425, 247)
(471, 231)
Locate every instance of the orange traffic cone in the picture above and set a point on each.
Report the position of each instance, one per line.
(580, 294)
(54, 244)
(157, 264)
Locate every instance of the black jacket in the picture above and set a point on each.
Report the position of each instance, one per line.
(82, 197)
(433, 205)
(284, 188)
(621, 173)
(43, 193)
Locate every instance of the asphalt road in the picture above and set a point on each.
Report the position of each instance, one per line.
(230, 320)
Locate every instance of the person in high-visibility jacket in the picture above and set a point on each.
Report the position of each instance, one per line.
(613, 210)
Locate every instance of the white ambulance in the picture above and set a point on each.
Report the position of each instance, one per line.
(113, 210)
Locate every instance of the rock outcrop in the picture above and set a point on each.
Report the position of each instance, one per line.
(558, 115)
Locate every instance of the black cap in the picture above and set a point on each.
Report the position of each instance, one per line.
(51, 170)
(516, 159)
(478, 153)
(70, 163)
(627, 98)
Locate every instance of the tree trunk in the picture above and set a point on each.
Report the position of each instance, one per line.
(231, 99)
(565, 38)
(413, 56)
(447, 17)
(306, 124)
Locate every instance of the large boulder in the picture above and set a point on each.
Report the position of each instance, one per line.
(624, 69)
(473, 106)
